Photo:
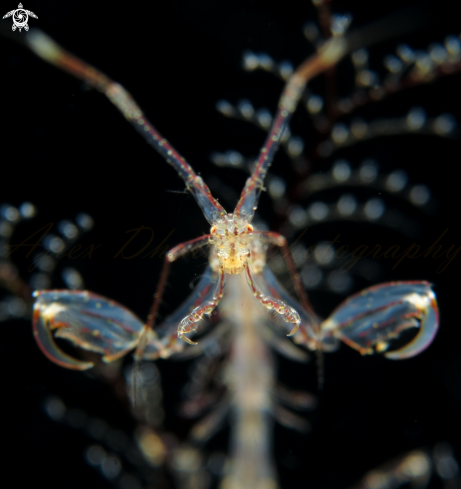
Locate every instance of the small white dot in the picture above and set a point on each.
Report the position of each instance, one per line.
(396, 181)
(341, 171)
(250, 61)
(314, 104)
(374, 209)
(416, 118)
(347, 205)
(420, 194)
(318, 211)
(444, 124)
(339, 133)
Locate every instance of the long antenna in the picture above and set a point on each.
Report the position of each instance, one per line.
(44, 47)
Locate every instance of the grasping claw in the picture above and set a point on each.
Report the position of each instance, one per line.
(289, 314)
(214, 295)
(90, 321)
(368, 320)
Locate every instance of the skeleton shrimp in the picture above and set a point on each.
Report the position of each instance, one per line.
(367, 321)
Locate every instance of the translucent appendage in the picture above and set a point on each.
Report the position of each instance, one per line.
(89, 321)
(270, 286)
(167, 343)
(368, 320)
(210, 301)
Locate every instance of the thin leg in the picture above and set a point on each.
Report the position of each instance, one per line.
(175, 253)
(188, 324)
(280, 241)
(290, 315)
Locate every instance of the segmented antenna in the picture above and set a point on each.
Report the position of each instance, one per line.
(44, 47)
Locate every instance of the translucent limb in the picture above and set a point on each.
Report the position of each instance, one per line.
(167, 332)
(148, 346)
(367, 321)
(282, 345)
(97, 324)
(281, 242)
(175, 253)
(290, 420)
(89, 321)
(211, 423)
(44, 47)
(202, 394)
(189, 323)
(327, 56)
(299, 400)
(309, 322)
(330, 53)
(288, 313)
(215, 343)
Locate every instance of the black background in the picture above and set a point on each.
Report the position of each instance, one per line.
(67, 150)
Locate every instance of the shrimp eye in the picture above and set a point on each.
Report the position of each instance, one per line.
(250, 228)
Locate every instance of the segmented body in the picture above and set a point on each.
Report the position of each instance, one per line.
(250, 379)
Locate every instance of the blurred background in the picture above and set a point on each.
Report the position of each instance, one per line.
(68, 151)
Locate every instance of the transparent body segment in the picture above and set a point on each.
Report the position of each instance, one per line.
(250, 381)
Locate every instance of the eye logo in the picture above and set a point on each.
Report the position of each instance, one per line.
(20, 18)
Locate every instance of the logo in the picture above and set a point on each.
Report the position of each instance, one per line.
(20, 18)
